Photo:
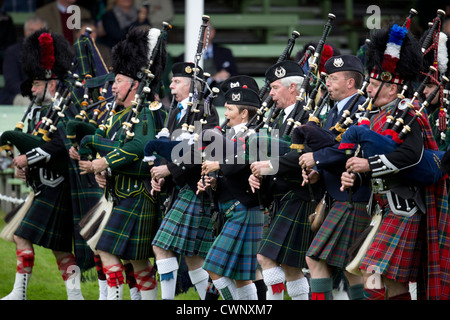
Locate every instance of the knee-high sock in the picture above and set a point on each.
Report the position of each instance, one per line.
(247, 292)
(274, 279)
(298, 289)
(146, 283)
(25, 263)
(66, 266)
(168, 269)
(115, 280)
(321, 288)
(226, 287)
(199, 278)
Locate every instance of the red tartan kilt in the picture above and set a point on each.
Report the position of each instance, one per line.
(395, 251)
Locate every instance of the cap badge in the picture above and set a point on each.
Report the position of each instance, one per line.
(188, 69)
(280, 72)
(236, 97)
(338, 62)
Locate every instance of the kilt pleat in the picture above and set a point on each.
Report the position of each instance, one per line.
(338, 232)
(233, 253)
(184, 229)
(289, 235)
(395, 250)
(130, 229)
(48, 222)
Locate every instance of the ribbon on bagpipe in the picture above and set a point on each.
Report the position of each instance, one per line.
(427, 171)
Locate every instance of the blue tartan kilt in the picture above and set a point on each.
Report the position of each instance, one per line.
(49, 221)
(338, 232)
(233, 253)
(289, 235)
(184, 229)
(131, 227)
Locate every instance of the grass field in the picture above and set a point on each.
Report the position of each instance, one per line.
(46, 282)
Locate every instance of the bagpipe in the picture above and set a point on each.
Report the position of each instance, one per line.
(47, 125)
(162, 145)
(428, 170)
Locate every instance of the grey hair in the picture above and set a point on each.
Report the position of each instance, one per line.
(297, 80)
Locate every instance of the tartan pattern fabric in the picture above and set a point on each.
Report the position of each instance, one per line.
(130, 229)
(233, 253)
(395, 250)
(145, 279)
(48, 222)
(289, 235)
(184, 229)
(114, 274)
(436, 267)
(338, 232)
(25, 260)
(64, 263)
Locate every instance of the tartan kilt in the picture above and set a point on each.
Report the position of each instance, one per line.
(184, 229)
(395, 250)
(131, 227)
(48, 222)
(289, 235)
(338, 232)
(233, 253)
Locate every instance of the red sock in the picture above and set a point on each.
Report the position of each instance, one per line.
(25, 260)
(129, 275)
(145, 279)
(114, 274)
(403, 296)
(374, 294)
(99, 267)
(64, 266)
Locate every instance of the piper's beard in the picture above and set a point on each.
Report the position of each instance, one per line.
(44, 99)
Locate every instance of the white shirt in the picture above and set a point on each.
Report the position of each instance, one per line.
(343, 102)
(287, 111)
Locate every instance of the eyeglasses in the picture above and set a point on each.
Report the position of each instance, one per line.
(335, 79)
(119, 81)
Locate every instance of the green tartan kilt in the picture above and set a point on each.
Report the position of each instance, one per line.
(338, 232)
(233, 253)
(289, 235)
(49, 222)
(131, 227)
(184, 229)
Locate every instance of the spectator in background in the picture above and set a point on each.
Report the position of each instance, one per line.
(56, 16)
(12, 66)
(117, 21)
(159, 11)
(7, 32)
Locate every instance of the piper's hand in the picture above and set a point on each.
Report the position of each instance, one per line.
(254, 182)
(357, 165)
(157, 185)
(73, 153)
(206, 182)
(209, 166)
(159, 172)
(306, 161)
(347, 180)
(20, 161)
(99, 165)
(260, 168)
(21, 173)
(310, 176)
(85, 167)
(101, 179)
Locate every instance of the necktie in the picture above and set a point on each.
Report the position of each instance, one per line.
(180, 107)
(280, 119)
(230, 133)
